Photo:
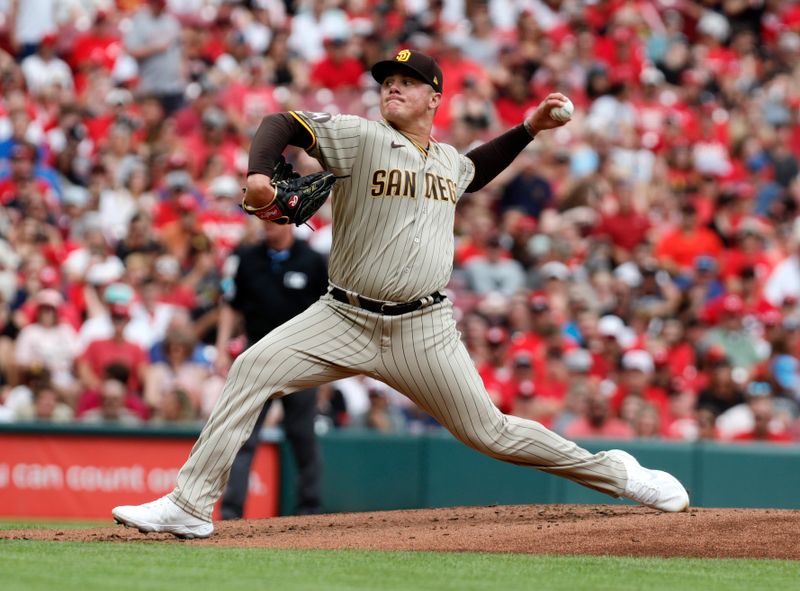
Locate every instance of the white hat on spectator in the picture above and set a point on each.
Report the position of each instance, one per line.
(610, 326)
(578, 360)
(714, 24)
(555, 270)
(49, 297)
(168, 265)
(628, 272)
(76, 195)
(638, 360)
(224, 186)
(107, 271)
(125, 69)
(119, 97)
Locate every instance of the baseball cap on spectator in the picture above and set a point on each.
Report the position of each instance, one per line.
(525, 223)
(23, 151)
(555, 270)
(705, 263)
(118, 293)
(522, 359)
(628, 272)
(75, 195)
(105, 272)
(732, 303)
(496, 335)
(177, 179)
(224, 186)
(714, 24)
(526, 389)
(50, 39)
(539, 303)
(758, 389)
(50, 298)
(716, 354)
(610, 326)
(214, 117)
(660, 356)
(119, 97)
(771, 318)
(651, 76)
(578, 360)
(167, 265)
(638, 360)
(177, 160)
(187, 202)
(49, 277)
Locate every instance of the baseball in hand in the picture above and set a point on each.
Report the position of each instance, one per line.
(563, 113)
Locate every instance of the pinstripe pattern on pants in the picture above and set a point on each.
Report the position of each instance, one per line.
(419, 354)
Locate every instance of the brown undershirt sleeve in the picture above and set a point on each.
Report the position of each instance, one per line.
(494, 156)
(273, 135)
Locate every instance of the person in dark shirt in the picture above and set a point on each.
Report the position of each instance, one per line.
(276, 279)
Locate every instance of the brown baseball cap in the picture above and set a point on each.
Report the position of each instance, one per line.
(421, 66)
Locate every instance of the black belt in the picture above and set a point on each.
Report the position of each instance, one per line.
(386, 308)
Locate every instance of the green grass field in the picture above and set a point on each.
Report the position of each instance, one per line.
(34, 566)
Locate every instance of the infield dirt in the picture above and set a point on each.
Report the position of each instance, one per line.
(528, 529)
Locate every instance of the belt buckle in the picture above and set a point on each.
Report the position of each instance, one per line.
(384, 308)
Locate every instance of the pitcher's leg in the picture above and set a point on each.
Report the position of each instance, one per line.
(431, 366)
(298, 354)
(235, 495)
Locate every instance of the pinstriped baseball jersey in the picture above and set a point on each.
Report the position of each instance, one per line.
(405, 192)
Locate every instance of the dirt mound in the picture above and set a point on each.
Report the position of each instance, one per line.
(530, 529)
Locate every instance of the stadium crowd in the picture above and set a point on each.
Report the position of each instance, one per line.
(635, 273)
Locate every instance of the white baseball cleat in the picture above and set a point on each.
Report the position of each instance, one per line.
(652, 488)
(162, 516)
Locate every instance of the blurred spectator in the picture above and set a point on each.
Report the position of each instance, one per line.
(45, 72)
(784, 280)
(598, 419)
(331, 408)
(49, 342)
(178, 371)
(154, 40)
(92, 398)
(175, 407)
(755, 418)
(528, 191)
(677, 250)
(382, 416)
(46, 406)
(337, 69)
(764, 428)
(31, 21)
(635, 382)
(730, 335)
(101, 351)
(112, 406)
(495, 271)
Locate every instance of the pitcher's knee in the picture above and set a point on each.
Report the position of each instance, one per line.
(490, 438)
(485, 438)
(256, 356)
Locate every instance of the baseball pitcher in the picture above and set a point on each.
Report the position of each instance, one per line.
(385, 315)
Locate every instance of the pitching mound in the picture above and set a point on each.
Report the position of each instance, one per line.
(532, 529)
